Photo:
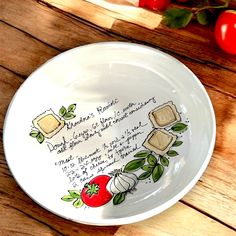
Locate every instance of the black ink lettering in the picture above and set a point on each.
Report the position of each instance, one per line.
(63, 162)
(70, 125)
(102, 109)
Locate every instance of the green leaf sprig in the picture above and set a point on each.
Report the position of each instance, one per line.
(119, 198)
(68, 113)
(74, 196)
(153, 165)
(149, 163)
(38, 135)
(177, 17)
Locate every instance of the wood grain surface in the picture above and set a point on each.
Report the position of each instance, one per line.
(31, 32)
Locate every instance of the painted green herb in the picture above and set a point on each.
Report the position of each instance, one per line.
(152, 164)
(179, 127)
(134, 165)
(68, 198)
(142, 153)
(164, 161)
(172, 153)
(78, 203)
(71, 108)
(177, 143)
(38, 135)
(74, 196)
(74, 193)
(67, 114)
(147, 168)
(157, 172)
(145, 175)
(64, 113)
(119, 198)
(152, 160)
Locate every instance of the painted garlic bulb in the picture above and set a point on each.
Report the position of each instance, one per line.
(122, 182)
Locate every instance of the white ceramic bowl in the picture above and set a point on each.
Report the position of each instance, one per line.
(108, 81)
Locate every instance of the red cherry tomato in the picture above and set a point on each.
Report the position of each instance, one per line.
(154, 4)
(94, 193)
(225, 31)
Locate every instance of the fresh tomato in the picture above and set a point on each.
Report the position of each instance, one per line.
(94, 193)
(225, 31)
(154, 4)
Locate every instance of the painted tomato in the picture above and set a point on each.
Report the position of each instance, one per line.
(225, 31)
(154, 4)
(94, 193)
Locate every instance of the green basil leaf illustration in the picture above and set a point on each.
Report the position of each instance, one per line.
(145, 175)
(40, 137)
(157, 172)
(134, 165)
(67, 198)
(69, 116)
(179, 127)
(177, 143)
(62, 111)
(142, 153)
(74, 193)
(71, 108)
(172, 153)
(119, 198)
(34, 133)
(152, 160)
(164, 161)
(78, 203)
(147, 167)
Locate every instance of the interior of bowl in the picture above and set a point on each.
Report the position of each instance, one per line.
(114, 76)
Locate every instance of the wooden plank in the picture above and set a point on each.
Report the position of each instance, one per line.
(14, 222)
(177, 220)
(55, 28)
(9, 83)
(86, 11)
(215, 193)
(20, 52)
(225, 111)
(19, 215)
(199, 46)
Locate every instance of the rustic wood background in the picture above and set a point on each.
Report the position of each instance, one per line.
(31, 32)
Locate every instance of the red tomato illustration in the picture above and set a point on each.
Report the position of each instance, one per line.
(94, 193)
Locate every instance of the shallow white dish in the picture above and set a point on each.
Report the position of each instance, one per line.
(131, 121)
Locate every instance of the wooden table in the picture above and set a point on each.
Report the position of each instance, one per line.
(31, 32)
